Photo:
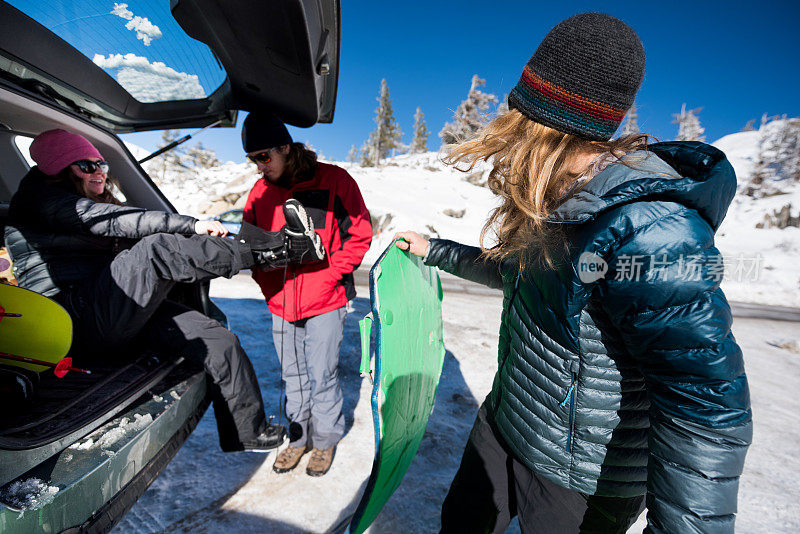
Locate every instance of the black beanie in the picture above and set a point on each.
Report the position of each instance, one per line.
(583, 77)
(262, 131)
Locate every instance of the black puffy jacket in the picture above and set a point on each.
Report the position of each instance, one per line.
(57, 238)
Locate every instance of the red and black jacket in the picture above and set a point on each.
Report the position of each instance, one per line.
(334, 203)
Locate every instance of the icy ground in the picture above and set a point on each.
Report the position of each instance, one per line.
(205, 491)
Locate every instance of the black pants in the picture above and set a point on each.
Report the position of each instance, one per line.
(127, 300)
(491, 487)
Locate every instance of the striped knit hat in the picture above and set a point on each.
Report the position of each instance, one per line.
(583, 77)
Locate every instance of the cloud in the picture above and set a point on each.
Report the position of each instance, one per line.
(145, 30)
(151, 82)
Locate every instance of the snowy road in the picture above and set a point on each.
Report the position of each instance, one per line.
(204, 490)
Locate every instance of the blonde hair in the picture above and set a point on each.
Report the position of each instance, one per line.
(533, 166)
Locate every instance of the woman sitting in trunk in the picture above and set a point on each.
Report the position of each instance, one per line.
(112, 266)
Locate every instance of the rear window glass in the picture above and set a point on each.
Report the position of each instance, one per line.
(137, 43)
(24, 145)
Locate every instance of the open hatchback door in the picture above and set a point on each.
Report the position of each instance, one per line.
(186, 63)
(77, 451)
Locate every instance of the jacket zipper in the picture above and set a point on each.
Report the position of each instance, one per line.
(571, 398)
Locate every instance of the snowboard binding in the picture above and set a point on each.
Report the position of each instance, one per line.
(295, 244)
(303, 243)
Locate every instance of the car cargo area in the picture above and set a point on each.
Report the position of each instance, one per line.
(86, 480)
(61, 406)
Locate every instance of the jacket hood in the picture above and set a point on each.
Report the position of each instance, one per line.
(690, 173)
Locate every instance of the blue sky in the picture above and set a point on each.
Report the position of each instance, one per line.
(736, 60)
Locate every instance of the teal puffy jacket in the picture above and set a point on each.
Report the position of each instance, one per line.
(618, 374)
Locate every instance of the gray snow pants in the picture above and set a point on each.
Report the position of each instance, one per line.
(127, 300)
(308, 350)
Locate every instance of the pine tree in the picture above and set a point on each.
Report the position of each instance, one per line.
(368, 154)
(170, 161)
(689, 128)
(793, 156)
(502, 107)
(469, 116)
(787, 151)
(387, 134)
(200, 157)
(750, 126)
(419, 144)
(352, 156)
(174, 156)
(778, 156)
(631, 125)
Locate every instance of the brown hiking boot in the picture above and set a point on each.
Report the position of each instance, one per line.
(320, 462)
(288, 459)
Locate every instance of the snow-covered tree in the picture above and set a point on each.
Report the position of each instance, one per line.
(420, 142)
(175, 155)
(793, 153)
(200, 157)
(352, 156)
(778, 157)
(689, 128)
(765, 118)
(387, 134)
(170, 163)
(631, 125)
(369, 155)
(469, 116)
(502, 107)
(750, 126)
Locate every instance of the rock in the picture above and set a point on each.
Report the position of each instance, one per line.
(456, 214)
(477, 178)
(239, 204)
(380, 222)
(780, 219)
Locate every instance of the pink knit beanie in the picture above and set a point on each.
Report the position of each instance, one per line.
(55, 150)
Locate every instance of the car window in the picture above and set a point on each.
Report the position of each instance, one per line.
(139, 44)
(23, 143)
(234, 216)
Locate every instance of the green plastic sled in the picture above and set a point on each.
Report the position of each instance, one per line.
(406, 298)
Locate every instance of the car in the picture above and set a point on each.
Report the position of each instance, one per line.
(79, 454)
(231, 219)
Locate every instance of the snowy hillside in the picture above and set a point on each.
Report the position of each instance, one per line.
(766, 258)
(418, 192)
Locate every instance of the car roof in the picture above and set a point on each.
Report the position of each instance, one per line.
(146, 65)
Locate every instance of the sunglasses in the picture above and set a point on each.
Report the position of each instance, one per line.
(90, 167)
(261, 157)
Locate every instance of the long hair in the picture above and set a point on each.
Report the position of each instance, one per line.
(533, 167)
(301, 163)
(73, 183)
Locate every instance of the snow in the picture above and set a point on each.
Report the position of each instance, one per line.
(28, 494)
(203, 490)
(111, 433)
(742, 151)
(413, 192)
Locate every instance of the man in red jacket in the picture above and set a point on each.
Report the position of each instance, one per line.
(307, 301)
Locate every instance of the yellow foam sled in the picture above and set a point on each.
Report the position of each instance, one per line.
(33, 326)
